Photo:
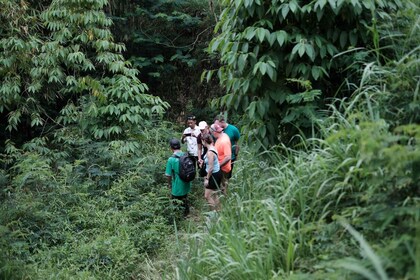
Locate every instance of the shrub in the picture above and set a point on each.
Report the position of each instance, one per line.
(283, 60)
(345, 206)
(77, 208)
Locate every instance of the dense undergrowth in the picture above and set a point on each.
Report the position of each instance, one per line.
(344, 205)
(77, 209)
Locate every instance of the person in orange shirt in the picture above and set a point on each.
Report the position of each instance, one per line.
(224, 150)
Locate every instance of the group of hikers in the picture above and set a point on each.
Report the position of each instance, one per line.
(213, 150)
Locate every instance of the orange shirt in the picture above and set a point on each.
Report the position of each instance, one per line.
(224, 149)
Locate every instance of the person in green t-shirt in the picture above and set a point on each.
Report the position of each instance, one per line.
(234, 135)
(179, 189)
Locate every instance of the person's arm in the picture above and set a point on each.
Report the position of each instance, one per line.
(168, 173)
(200, 149)
(228, 155)
(237, 136)
(225, 160)
(236, 149)
(184, 134)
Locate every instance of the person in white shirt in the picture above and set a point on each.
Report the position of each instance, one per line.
(190, 137)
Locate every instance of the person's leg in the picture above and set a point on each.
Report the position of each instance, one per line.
(216, 200)
(224, 183)
(176, 202)
(209, 190)
(212, 191)
(231, 170)
(217, 180)
(184, 203)
(208, 194)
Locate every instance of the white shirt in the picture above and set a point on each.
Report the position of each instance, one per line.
(191, 141)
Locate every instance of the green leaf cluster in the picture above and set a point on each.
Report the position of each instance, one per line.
(65, 68)
(165, 41)
(341, 206)
(264, 44)
(72, 207)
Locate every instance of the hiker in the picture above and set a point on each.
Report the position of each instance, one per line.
(202, 150)
(234, 135)
(213, 178)
(190, 137)
(224, 151)
(179, 188)
(204, 127)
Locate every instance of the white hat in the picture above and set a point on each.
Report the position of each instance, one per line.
(202, 125)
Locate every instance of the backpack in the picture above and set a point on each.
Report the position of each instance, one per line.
(186, 170)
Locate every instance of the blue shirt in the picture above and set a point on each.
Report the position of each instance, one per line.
(216, 165)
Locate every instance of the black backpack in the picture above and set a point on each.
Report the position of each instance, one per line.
(186, 168)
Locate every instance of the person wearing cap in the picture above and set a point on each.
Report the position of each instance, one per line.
(190, 137)
(234, 135)
(224, 151)
(204, 129)
(179, 189)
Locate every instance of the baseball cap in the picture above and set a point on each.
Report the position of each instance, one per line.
(216, 128)
(175, 144)
(202, 125)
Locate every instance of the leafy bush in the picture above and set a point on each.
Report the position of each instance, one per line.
(346, 206)
(84, 209)
(286, 220)
(64, 68)
(283, 60)
(165, 41)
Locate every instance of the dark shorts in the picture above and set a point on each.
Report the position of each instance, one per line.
(215, 180)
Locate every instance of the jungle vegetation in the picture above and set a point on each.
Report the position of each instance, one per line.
(325, 93)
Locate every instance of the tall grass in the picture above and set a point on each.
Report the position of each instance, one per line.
(283, 217)
(271, 220)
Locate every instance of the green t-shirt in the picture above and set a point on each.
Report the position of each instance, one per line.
(179, 187)
(234, 135)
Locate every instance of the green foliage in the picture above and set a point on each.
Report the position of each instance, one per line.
(165, 41)
(70, 231)
(263, 46)
(67, 60)
(342, 207)
(72, 207)
(283, 222)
